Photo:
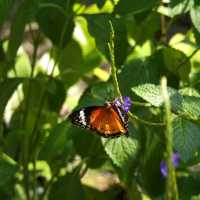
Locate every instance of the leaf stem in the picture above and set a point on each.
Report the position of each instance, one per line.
(134, 117)
(171, 186)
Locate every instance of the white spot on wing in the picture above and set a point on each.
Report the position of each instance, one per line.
(82, 117)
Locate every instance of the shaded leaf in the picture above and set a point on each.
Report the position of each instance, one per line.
(175, 63)
(8, 169)
(23, 15)
(56, 143)
(5, 7)
(152, 180)
(99, 23)
(56, 95)
(189, 186)
(55, 24)
(134, 6)
(67, 187)
(186, 138)
(71, 63)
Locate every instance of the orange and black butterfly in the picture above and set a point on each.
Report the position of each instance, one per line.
(108, 121)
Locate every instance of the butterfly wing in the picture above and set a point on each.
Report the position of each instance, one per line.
(105, 120)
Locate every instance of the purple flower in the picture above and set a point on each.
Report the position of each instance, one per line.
(126, 105)
(163, 165)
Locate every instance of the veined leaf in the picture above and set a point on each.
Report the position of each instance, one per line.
(187, 106)
(186, 138)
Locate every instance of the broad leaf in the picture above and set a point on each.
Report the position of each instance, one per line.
(121, 150)
(7, 87)
(67, 187)
(58, 26)
(71, 63)
(134, 6)
(23, 15)
(57, 143)
(5, 7)
(175, 62)
(8, 169)
(153, 94)
(179, 7)
(187, 106)
(186, 138)
(195, 17)
(99, 23)
(56, 95)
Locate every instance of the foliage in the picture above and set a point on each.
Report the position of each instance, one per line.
(61, 55)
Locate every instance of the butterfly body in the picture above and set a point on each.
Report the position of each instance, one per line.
(108, 121)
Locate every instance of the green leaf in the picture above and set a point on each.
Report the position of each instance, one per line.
(175, 62)
(195, 17)
(88, 145)
(56, 95)
(8, 169)
(150, 74)
(5, 7)
(153, 94)
(186, 138)
(188, 186)
(142, 27)
(187, 106)
(99, 23)
(179, 7)
(134, 6)
(71, 63)
(121, 150)
(7, 88)
(34, 98)
(67, 187)
(151, 178)
(56, 143)
(97, 94)
(23, 15)
(13, 142)
(56, 23)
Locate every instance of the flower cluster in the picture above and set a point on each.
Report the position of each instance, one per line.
(125, 105)
(163, 165)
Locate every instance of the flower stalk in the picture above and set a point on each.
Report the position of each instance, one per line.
(171, 186)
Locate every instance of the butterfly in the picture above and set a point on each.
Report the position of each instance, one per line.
(109, 120)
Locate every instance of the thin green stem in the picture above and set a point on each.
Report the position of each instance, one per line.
(25, 153)
(142, 104)
(134, 117)
(111, 47)
(171, 186)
